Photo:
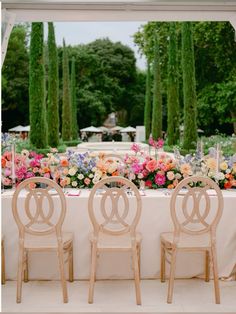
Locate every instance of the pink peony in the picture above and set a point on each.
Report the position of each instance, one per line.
(29, 175)
(151, 165)
(137, 168)
(160, 178)
(34, 163)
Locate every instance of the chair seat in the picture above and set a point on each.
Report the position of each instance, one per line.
(47, 242)
(187, 240)
(110, 242)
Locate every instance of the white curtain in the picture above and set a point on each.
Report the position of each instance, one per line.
(8, 20)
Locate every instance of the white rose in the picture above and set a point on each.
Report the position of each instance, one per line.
(228, 170)
(98, 173)
(90, 175)
(94, 169)
(219, 176)
(170, 175)
(72, 171)
(178, 176)
(95, 180)
(74, 184)
(140, 175)
(131, 176)
(80, 176)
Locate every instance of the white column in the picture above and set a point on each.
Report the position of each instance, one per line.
(8, 20)
(233, 23)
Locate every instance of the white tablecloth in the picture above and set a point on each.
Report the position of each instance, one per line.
(155, 219)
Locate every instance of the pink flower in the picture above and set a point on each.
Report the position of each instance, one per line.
(87, 181)
(29, 175)
(151, 141)
(151, 165)
(34, 163)
(47, 175)
(160, 178)
(137, 168)
(160, 143)
(7, 172)
(135, 147)
(6, 181)
(145, 173)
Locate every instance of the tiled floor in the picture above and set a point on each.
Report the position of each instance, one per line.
(193, 295)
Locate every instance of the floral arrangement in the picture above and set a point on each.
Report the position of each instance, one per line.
(84, 170)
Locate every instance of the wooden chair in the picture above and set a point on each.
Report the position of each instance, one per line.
(195, 220)
(114, 224)
(39, 209)
(3, 262)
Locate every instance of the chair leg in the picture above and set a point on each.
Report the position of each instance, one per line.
(136, 276)
(139, 260)
(3, 264)
(62, 273)
(215, 273)
(26, 268)
(172, 275)
(92, 273)
(19, 274)
(207, 266)
(163, 263)
(70, 263)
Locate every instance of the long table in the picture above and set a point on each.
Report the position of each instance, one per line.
(155, 219)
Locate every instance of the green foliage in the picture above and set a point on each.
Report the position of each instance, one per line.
(157, 97)
(52, 110)
(27, 145)
(173, 86)
(66, 104)
(72, 143)
(38, 131)
(148, 103)
(106, 81)
(15, 80)
(74, 123)
(189, 87)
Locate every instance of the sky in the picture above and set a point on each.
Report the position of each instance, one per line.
(84, 32)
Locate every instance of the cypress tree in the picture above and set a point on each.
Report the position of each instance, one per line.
(74, 124)
(157, 97)
(37, 106)
(66, 104)
(173, 88)
(53, 109)
(148, 103)
(189, 87)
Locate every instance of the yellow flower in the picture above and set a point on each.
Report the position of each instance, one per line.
(234, 167)
(223, 165)
(211, 163)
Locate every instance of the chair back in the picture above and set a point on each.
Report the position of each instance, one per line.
(114, 206)
(196, 206)
(39, 207)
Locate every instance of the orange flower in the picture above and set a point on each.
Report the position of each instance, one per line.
(170, 186)
(64, 162)
(3, 160)
(227, 185)
(229, 176)
(115, 173)
(46, 170)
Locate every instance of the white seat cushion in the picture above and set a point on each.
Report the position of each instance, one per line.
(46, 242)
(106, 241)
(187, 240)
